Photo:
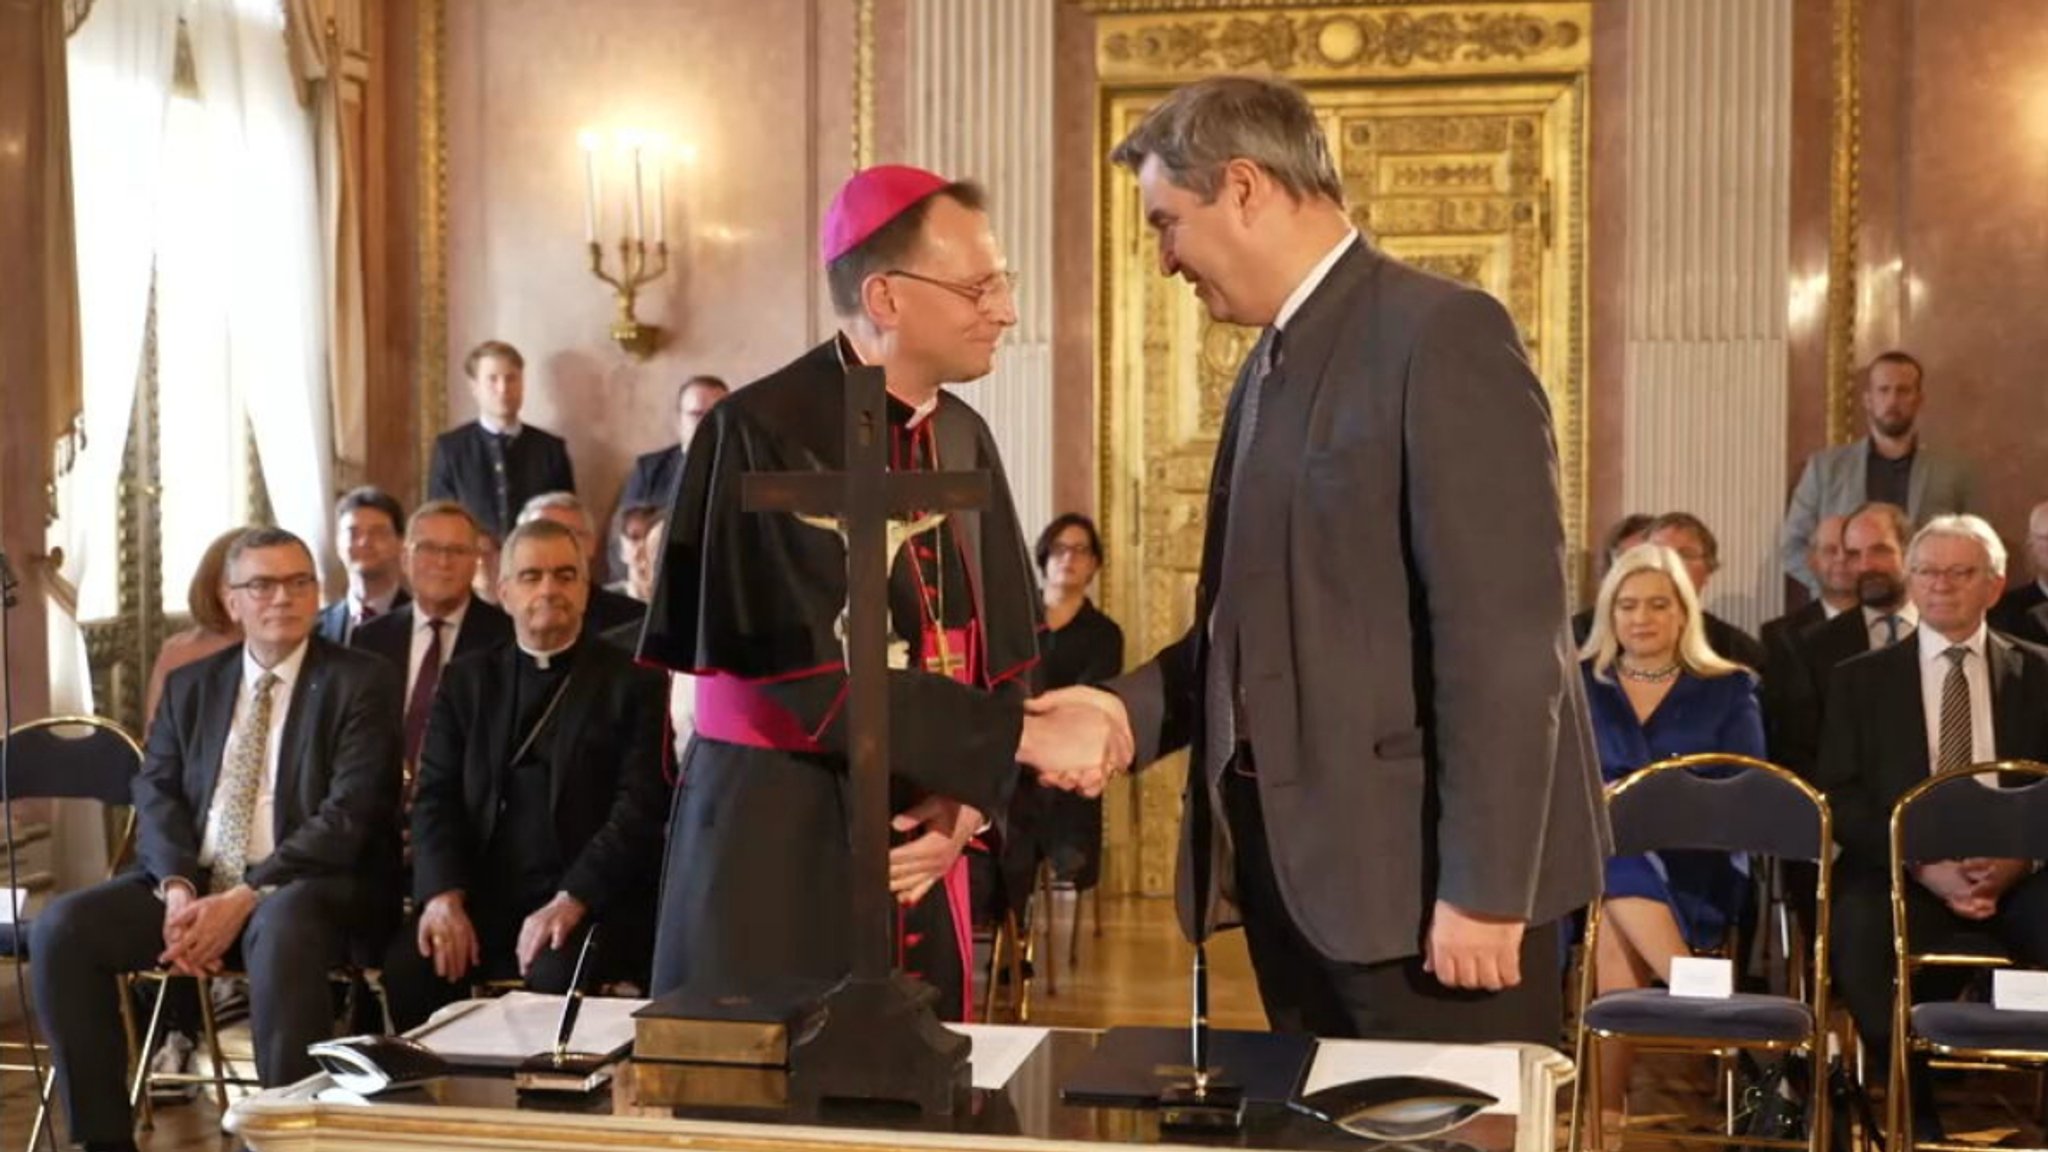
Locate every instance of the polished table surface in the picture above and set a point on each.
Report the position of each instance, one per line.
(485, 1112)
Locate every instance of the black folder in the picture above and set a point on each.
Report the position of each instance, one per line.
(1130, 1067)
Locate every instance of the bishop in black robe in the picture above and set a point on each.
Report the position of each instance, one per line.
(755, 883)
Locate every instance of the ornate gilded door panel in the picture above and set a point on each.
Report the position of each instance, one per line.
(1458, 131)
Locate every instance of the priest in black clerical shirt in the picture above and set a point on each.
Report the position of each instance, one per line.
(494, 464)
(539, 800)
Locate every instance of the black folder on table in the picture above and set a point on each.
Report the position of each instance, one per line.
(1130, 1067)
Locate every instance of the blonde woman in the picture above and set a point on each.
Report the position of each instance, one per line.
(1655, 690)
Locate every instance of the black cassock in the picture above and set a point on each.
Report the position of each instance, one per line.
(755, 880)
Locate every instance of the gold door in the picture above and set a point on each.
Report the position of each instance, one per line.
(1458, 131)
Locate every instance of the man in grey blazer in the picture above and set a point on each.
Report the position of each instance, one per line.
(1387, 717)
(1890, 465)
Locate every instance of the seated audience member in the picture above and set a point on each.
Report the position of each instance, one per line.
(1781, 635)
(653, 479)
(1622, 535)
(1656, 689)
(2022, 613)
(485, 586)
(213, 626)
(268, 768)
(607, 609)
(1689, 536)
(368, 533)
(1957, 694)
(638, 525)
(1874, 548)
(494, 464)
(538, 808)
(443, 622)
(1080, 645)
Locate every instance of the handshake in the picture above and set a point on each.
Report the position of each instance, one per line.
(1076, 739)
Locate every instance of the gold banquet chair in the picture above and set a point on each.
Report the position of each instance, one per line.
(1758, 808)
(1951, 816)
(68, 758)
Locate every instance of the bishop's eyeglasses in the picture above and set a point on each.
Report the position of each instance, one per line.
(989, 294)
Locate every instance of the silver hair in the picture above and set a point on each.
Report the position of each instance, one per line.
(535, 507)
(1963, 527)
(1203, 126)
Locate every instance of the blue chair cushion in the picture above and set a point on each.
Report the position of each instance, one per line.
(14, 939)
(1743, 1016)
(1966, 1024)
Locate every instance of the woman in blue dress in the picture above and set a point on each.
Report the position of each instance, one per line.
(1657, 690)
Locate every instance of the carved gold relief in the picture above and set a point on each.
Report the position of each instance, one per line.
(1478, 179)
(431, 387)
(1305, 43)
(1845, 131)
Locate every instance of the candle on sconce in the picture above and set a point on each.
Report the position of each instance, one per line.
(590, 186)
(639, 199)
(661, 196)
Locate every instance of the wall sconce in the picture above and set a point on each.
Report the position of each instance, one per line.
(637, 152)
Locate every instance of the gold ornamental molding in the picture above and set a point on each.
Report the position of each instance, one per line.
(863, 84)
(1310, 42)
(1845, 134)
(432, 383)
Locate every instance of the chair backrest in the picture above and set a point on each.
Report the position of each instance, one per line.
(73, 758)
(1954, 815)
(1718, 802)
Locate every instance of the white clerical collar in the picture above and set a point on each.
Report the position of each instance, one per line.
(1933, 644)
(449, 620)
(286, 670)
(1314, 279)
(542, 660)
(510, 428)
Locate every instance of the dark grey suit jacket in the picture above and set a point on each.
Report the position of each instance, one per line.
(337, 780)
(1396, 563)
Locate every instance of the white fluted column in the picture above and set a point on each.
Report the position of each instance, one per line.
(981, 109)
(1710, 122)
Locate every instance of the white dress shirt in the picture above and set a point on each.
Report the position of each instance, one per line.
(1934, 666)
(262, 822)
(496, 429)
(422, 635)
(1873, 623)
(1313, 280)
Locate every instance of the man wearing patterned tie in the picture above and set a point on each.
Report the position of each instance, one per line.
(368, 534)
(267, 776)
(495, 463)
(538, 806)
(1955, 694)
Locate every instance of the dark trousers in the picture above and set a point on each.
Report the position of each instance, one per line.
(84, 939)
(1860, 940)
(412, 990)
(1304, 991)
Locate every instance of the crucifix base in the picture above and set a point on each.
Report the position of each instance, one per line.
(880, 1040)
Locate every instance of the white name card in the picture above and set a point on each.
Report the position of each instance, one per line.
(1702, 978)
(12, 900)
(2013, 990)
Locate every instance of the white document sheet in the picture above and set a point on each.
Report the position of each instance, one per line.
(503, 1032)
(1496, 1071)
(998, 1051)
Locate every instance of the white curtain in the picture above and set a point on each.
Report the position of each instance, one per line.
(120, 79)
(271, 256)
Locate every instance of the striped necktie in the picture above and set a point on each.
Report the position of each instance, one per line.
(1956, 749)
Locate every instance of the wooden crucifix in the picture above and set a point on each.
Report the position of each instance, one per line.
(880, 1040)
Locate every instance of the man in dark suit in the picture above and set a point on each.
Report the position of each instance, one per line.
(1782, 694)
(540, 798)
(1874, 548)
(607, 609)
(267, 774)
(444, 621)
(652, 483)
(2019, 613)
(367, 533)
(494, 464)
(1390, 723)
(1957, 695)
